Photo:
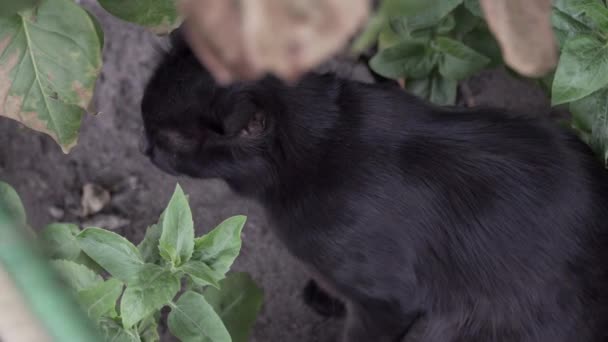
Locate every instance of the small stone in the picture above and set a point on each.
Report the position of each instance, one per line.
(56, 213)
(110, 222)
(94, 199)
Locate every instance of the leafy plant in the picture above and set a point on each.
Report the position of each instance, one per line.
(581, 27)
(50, 59)
(214, 306)
(434, 44)
(431, 44)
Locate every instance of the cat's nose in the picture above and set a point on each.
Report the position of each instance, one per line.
(144, 145)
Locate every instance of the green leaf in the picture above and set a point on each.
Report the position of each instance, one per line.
(50, 58)
(153, 288)
(98, 28)
(177, 238)
(565, 26)
(79, 277)
(430, 13)
(388, 38)
(590, 117)
(482, 40)
(160, 16)
(148, 330)
(11, 7)
(420, 87)
(237, 303)
(443, 91)
(458, 61)
(148, 247)
(574, 9)
(436, 89)
(114, 332)
(192, 319)
(474, 7)
(582, 69)
(112, 252)
(100, 300)
(60, 240)
(201, 273)
(10, 202)
(597, 14)
(411, 58)
(446, 24)
(220, 247)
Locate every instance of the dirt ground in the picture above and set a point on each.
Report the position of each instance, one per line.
(50, 182)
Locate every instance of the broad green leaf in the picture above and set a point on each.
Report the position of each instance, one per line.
(431, 13)
(177, 238)
(10, 202)
(60, 240)
(100, 300)
(50, 58)
(79, 277)
(566, 26)
(420, 87)
(407, 59)
(436, 89)
(98, 28)
(112, 252)
(201, 273)
(446, 24)
(160, 16)
(443, 91)
(482, 40)
(192, 319)
(597, 14)
(474, 7)
(574, 9)
(388, 38)
(114, 332)
(457, 60)
(582, 69)
(85, 260)
(220, 247)
(237, 303)
(10, 7)
(402, 28)
(590, 116)
(148, 247)
(153, 288)
(148, 330)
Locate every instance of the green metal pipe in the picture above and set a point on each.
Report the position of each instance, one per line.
(51, 305)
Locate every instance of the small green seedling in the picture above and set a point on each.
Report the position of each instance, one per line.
(170, 262)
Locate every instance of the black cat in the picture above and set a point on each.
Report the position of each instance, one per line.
(433, 224)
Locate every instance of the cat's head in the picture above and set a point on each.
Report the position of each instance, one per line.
(197, 128)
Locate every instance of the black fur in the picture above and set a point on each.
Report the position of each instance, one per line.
(444, 225)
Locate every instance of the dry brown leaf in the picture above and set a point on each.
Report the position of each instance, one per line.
(523, 29)
(94, 199)
(246, 39)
